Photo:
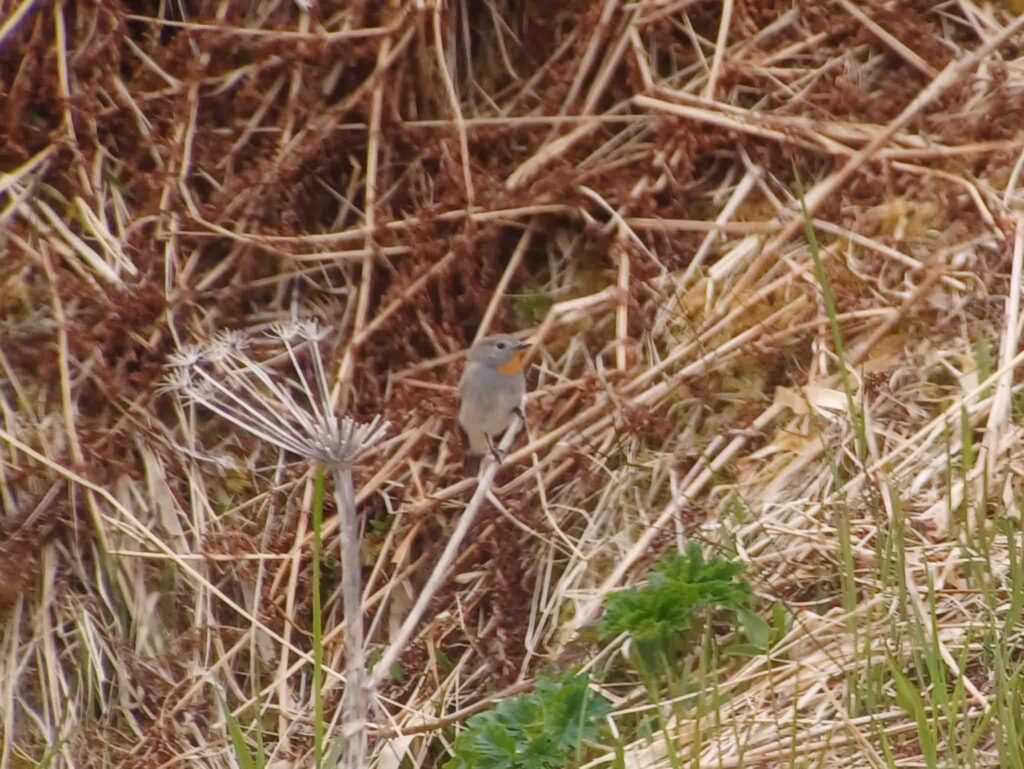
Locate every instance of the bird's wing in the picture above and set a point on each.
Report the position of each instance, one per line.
(469, 369)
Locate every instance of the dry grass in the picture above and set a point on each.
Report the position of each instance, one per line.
(617, 181)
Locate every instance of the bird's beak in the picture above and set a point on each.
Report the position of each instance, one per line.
(523, 346)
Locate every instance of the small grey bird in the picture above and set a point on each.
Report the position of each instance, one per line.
(491, 392)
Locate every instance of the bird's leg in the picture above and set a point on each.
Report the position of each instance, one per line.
(498, 454)
(519, 413)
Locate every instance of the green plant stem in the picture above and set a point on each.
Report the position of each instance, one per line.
(650, 681)
(833, 319)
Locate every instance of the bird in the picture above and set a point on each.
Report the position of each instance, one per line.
(491, 393)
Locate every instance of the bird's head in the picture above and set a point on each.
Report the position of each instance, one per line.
(503, 351)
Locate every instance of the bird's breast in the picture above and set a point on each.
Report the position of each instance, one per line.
(488, 399)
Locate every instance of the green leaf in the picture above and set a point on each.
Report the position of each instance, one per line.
(906, 696)
(397, 672)
(246, 760)
(678, 587)
(743, 650)
(530, 309)
(444, 662)
(754, 627)
(538, 730)
(334, 753)
(780, 620)
(983, 361)
(381, 525)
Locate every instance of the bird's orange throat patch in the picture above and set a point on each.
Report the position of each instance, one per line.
(514, 366)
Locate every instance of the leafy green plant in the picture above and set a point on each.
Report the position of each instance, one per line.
(539, 730)
(659, 615)
(531, 308)
(663, 619)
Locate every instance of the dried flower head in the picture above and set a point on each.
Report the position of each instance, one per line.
(225, 379)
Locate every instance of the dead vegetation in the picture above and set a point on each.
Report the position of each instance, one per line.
(619, 182)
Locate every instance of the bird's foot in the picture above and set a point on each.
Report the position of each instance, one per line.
(498, 454)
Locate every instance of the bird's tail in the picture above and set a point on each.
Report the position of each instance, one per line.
(471, 464)
(474, 446)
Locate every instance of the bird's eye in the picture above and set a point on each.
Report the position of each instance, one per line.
(501, 345)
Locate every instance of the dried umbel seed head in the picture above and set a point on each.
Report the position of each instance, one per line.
(225, 379)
